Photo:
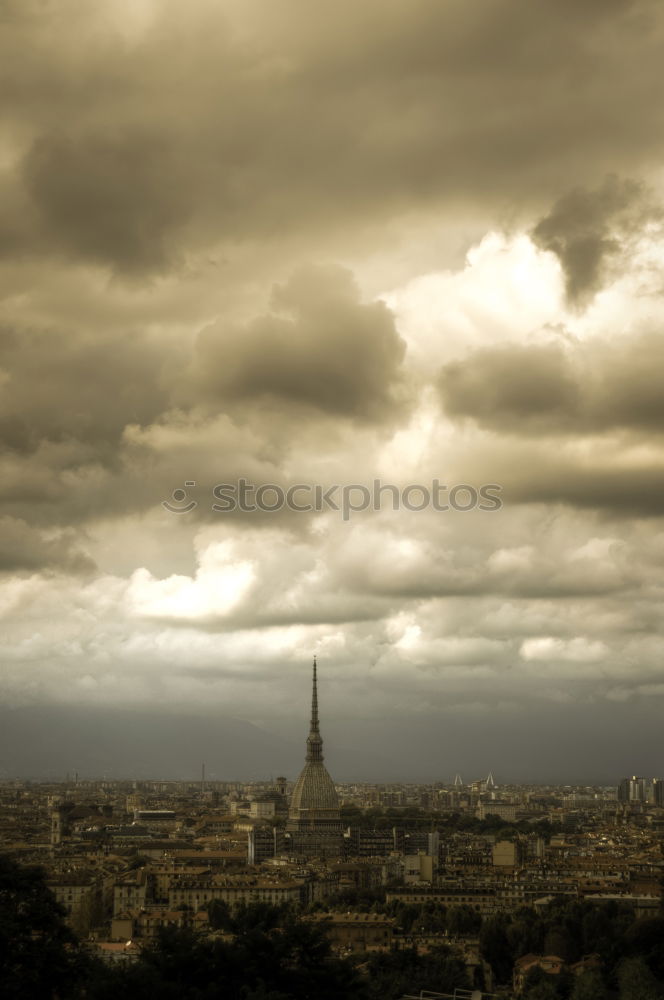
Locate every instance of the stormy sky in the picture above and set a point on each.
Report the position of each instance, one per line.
(289, 243)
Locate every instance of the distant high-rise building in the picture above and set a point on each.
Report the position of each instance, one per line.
(658, 791)
(314, 826)
(632, 790)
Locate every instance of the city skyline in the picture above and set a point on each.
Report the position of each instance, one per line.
(413, 244)
(248, 750)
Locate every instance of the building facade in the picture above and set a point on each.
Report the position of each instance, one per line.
(632, 790)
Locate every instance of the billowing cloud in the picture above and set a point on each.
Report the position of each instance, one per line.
(513, 386)
(23, 547)
(587, 228)
(236, 123)
(595, 387)
(320, 348)
(77, 388)
(411, 242)
(96, 196)
(551, 389)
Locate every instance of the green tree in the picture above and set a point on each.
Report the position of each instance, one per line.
(463, 920)
(286, 963)
(219, 915)
(39, 956)
(495, 947)
(392, 974)
(89, 914)
(544, 990)
(646, 938)
(589, 986)
(525, 933)
(637, 981)
(558, 942)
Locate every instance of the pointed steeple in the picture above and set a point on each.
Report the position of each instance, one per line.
(314, 741)
(314, 702)
(314, 821)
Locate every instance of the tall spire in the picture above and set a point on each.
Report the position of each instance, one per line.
(314, 702)
(314, 821)
(314, 741)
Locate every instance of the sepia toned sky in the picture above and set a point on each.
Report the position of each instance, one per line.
(296, 243)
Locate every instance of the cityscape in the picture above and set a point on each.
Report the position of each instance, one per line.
(379, 869)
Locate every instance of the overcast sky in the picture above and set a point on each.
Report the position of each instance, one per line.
(294, 242)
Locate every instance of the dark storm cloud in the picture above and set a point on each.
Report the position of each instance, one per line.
(100, 196)
(633, 491)
(513, 387)
(23, 547)
(593, 387)
(586, 228)
(67, 397)
(630, 390)
(80, 389)
(319, 347)
(202, 131)
(102, 423)
(619, 474)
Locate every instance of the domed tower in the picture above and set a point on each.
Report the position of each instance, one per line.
(314, 820)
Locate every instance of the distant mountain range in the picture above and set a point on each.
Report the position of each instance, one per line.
(51, 742)
(575, 744)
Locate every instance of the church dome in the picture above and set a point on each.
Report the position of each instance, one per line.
(314, 789)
